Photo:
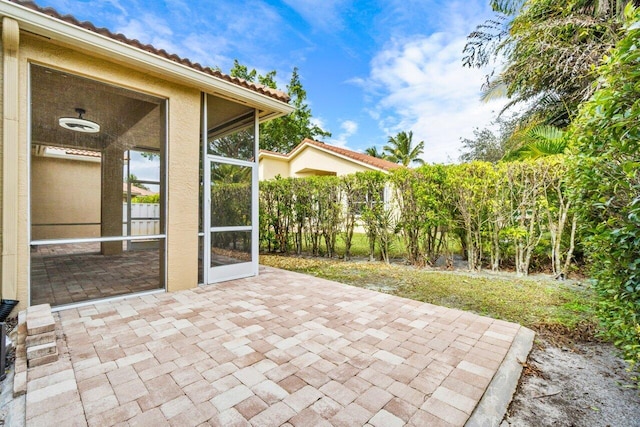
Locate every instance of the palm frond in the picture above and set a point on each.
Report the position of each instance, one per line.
(508, 7)
(546, 133)
(539, 141)
(494, 89)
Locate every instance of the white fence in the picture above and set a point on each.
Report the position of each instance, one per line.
(145, 219)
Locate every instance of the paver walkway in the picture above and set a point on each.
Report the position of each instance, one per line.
(279, 349)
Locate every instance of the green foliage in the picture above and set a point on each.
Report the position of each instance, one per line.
(549, 49)
(153, 198)
(374, 218)
(276, 214)
(352, 194)
(134, 181)
(424, 210)
(284, 133)
(471, 186)
(484, 146)
(538, 141)
(489, 145)
(605, 176)
(514, 213)
(232, 203)
(401, 150)
(373, 152)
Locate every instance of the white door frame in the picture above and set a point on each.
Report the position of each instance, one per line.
(238, 270)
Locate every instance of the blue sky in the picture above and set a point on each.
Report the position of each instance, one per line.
(370, 68)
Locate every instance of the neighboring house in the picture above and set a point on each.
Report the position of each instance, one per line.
(135, 191)
(313, 158)
(71, 88)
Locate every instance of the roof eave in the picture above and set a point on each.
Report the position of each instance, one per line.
(272, 155)
(296, 151)
(74, 36)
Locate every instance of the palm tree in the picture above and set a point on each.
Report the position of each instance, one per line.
(373, 152)
(400, 149)
(539, 141)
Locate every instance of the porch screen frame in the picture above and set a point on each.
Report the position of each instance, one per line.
(164, 175)
(205, 199)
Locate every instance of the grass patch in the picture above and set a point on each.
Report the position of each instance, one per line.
(360, 247)
(546, 306)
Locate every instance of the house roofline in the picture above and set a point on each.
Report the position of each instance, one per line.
(71, 35)
(268, 153)
(319, 145)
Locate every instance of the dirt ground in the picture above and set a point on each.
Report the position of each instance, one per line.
(580, 384)
(586, 385)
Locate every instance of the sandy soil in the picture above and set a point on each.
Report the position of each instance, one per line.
(583, 386)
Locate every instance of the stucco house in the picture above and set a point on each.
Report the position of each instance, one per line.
(68, 85)
(314, 158)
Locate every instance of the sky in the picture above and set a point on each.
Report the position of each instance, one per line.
(371, 68)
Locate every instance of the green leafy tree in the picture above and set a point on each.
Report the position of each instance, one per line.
(485, 146)
(400, 149)
(550, 49)
(489, 145)
(284, 133)
(471, 187)
(423, 211)
(352, 194)
(376, 220)
(605, 177)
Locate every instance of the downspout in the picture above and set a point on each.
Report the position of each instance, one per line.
(10, 118)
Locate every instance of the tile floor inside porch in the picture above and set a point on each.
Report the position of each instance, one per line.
(72, 273)
(278, 349)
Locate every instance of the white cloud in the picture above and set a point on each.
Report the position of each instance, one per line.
(349, 128)
(210, 37)
(422, 86)
(318, 121)
(161, 36)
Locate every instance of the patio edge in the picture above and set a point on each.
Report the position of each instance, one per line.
(494, 403)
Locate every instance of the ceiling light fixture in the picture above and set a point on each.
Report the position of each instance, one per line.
(79, 124)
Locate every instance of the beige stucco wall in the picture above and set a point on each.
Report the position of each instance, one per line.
(182, 153)
(1, 143)
(64, 191)
(270, 167)
(314, 159)
(309, 161)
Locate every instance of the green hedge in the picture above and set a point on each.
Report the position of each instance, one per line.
(605, 172)
(505, 215)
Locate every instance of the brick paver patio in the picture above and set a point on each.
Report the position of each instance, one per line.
(279, 349)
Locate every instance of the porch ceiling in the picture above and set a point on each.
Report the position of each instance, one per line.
(129, 118)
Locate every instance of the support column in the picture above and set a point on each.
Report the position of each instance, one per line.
(111, 206)
(10, 127)
(162, 143)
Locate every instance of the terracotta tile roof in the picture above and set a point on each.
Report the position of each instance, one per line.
(361, 157)
(381, 164)
(137, 191)
(76, 152)
(272, 93)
